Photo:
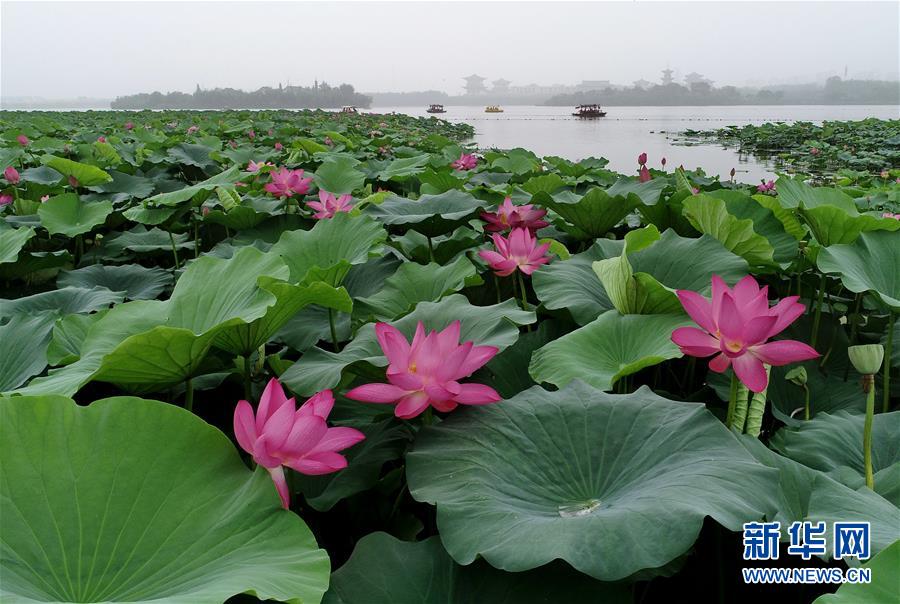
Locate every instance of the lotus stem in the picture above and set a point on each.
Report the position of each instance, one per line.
(869, 387)
(428, 416)
(430, 249)
(196, 238)
(523, 290)
(247, 377)
(174, 251)
(756, 411)
(331, 324)
(806, 403)
(852, 339)
(740, 409)
(818, 316)
(79, 248)
(732, 399)
(189, 395)
(886, 370)
(497, 287)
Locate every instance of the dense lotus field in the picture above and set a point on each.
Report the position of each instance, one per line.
(310, 356)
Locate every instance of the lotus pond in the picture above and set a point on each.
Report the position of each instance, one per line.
(308, 356)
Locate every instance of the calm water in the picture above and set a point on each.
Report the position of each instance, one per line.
(627, 131)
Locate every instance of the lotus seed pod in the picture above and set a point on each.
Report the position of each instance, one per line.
(797, 376)
(867, 358)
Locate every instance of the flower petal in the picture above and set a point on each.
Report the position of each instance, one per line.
(751, 372)
(719, 363)
(411, 405)
(245, 426)
(281, 486)
(698, 308)
(318, 464)
(782, 352)
(695, 342)
(376, 393)
(476, 394)
(757, 330)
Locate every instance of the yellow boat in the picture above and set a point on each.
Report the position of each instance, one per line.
(493, 109)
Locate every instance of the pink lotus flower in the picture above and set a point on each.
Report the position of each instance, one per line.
(23, 140)
(889, 215)
(427, 371)
(44, 198)
(733, 172)
(509, 216)
(5, 200)
(129, 125)
(251, 134)
(256, 167)
(278, 435)
(735, 326)
(328, 205)
(644, 175)
(279, 146)
(233, 144)
(885, 174)
(328, 141)
(205, 211)
(466, 161)
(384, 150)
(101, 139)
(193, 129)
(695, 191)
(286, 183)
(766, 187)
(12, 175)
(814, 151)
(73, 182)
(520, 252)
(663, 162)
(271, 131)
(642, 159)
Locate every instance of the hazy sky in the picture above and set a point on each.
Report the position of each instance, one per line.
(65, 50)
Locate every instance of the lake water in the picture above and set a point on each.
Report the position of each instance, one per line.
(628, 131)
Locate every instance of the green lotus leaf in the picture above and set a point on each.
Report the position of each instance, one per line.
(137, 187)
(42, 175)
(833, 443)
(711, 216)
(95, 510)
(68, 215)
(146, 215)
(805, 494)
(328, 250)
(404, 167)
(338, 175)
(649, 192)
(431, 215)
(137, 282)
(12, 241)
(765, 223)
(65, 301)
(86, 174)
(507, 373)
(868, 264)
(571, 284)
(609, 348)
(548, 183)
(173, 198)
(517, 161)
(591, 215)
(385, 441)
(385, 570)
(68, 336)
(444, 248)
(414, 283)
(191, 155)
(25, 339)
(832, 225)
(143, 240)
(434, 183)
(495, 325)
(786, 215)
(794, 193)
(239, 218)
(883, 588)
(575, 474)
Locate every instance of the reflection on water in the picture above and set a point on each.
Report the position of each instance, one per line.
(628, 131)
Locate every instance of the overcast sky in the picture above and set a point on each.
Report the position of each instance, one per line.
(65, 50)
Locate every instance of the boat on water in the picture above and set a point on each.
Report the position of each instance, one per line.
(435, 109)
(349, 109)
(493, 109)
(589, 111)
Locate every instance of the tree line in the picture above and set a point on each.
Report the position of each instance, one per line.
(283, 97)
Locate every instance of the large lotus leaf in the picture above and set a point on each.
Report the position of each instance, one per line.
(431, 215)
(607, 349)
(69, 333)
(67, 215)
(65, 301)
(593, 214)
(42, 175)
(612, 484)
(129, 185)
(868, 264)
(833, 443)
(765, 223)
(12, 241)
(135, 500)
(86, 174)
(807, 494)
(794, 193)
(385, 441)
(571, 284)
(507, 373)
(832, 225)
(328, 250)
(25, 339)
(404, 167)
(444, 248)
(191, 155)
(711, 216)
(517, 161)
(146, 215)
(788, 219)
(649, 192)
(339, 175)
(172, 198)
(140, 239)
(136, 281)
(414, 283)
(243, 339)
(385, 570)
(882, 590)
(548, 183)
(495, 325)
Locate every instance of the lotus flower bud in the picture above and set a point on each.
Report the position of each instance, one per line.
(642, 159)
(663, 162)
(797, 376)
(733, 171)
(866, 358)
